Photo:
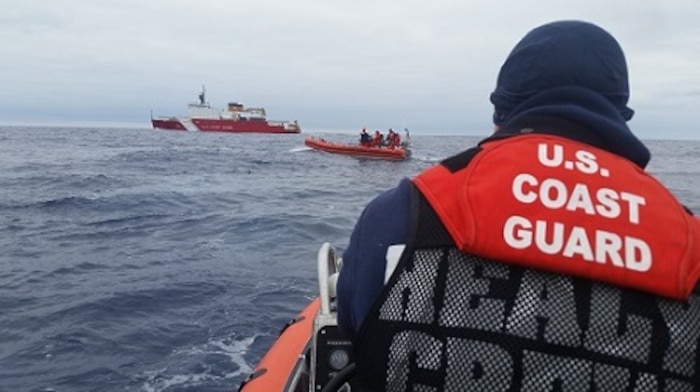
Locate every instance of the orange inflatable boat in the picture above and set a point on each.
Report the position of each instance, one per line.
(358, 151)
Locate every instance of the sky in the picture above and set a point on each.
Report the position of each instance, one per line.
(334, 65)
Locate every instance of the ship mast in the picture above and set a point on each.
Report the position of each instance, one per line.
(202, 96)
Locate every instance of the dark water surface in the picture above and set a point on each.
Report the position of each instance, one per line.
(141, 260)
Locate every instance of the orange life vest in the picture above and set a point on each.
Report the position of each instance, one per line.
(554, 204)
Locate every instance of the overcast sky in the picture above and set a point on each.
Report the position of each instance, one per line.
(332, 65)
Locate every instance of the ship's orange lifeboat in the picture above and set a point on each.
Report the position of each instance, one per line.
(357, 150)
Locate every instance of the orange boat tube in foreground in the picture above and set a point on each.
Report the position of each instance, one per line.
(277, 369)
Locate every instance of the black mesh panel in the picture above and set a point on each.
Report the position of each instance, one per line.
(457, 322)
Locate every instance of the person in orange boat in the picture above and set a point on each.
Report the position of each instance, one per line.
(378, 139)
(365, 138)
(389, 140)
(533, 260)
(393, 139)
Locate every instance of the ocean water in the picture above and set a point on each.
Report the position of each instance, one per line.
(142, 260)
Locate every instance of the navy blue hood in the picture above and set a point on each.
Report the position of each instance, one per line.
(573, 70)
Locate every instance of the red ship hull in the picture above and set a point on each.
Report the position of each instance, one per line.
(226, 125)
(173, 125)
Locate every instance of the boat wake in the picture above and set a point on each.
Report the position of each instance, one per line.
(215, 360)
(299, 149)
(427, 159)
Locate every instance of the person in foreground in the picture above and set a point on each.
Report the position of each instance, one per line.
(544, 258)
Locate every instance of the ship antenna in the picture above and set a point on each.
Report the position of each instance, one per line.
(202, 95)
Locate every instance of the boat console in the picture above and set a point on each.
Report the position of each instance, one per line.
(332, 363)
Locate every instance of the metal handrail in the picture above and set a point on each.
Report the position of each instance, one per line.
(328, 268)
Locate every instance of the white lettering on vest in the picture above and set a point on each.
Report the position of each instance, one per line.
(554, 194)
(606, 247)
(585, 160)
(567, 239)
